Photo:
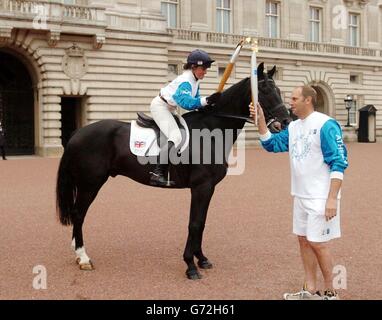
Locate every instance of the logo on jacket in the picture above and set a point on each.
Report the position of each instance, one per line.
(301, 147)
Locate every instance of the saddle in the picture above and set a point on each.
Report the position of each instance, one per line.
(146, 121)
(141, 142)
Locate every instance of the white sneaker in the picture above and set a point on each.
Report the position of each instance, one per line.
(302, 295)
(330, 295)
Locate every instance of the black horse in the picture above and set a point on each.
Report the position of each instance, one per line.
(101, 149)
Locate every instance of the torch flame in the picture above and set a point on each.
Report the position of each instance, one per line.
(253, 42)
(255, 45)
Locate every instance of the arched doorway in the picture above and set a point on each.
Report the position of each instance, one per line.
(325, 98)
(321, 106)
(16, 105)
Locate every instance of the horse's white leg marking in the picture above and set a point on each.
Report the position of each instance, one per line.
(82, 257)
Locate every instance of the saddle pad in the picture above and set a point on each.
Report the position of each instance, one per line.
(143, 141)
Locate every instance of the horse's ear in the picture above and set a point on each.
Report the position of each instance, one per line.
(272, 72)
(260, 70)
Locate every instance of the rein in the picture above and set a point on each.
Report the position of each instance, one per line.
(249, 119)
(233, 116)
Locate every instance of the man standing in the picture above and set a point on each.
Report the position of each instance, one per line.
(2, 141)
(318, 159)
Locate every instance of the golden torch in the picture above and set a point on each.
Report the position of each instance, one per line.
(228, 69)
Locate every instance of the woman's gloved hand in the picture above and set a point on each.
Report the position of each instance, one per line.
(213, 99)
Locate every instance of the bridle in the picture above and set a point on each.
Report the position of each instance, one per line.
(273, 118)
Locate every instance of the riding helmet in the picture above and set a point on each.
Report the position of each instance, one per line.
(199, 58)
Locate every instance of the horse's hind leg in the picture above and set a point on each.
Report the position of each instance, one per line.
(200, 200)
(83, 201)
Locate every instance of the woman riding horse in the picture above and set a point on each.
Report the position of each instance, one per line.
(100, 150)
(181, 92)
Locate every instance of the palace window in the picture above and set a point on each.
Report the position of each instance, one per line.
(221, 70)
(170, 11)
(315, 24)
(272, 20)
(173, 70)
(354, 30)
(223, 16)
(355, 78)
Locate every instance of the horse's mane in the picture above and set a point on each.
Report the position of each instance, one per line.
(234, 98)
(237, 88)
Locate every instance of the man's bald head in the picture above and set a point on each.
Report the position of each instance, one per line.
(308, 91)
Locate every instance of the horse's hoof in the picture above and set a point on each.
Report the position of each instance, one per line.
(85, 266)
(193, 275)
(205, 264)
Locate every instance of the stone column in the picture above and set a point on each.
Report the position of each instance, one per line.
(146, 15)
(199, 13)
(327, 23)
(185, 17)
(51, 124)
(338, 35)
(365, 19)
(250, 13)
(260, 21)
(297, 21)
(148, 6)
(285, 23)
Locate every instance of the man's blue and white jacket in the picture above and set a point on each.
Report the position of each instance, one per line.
(184, 92)
(316, 151)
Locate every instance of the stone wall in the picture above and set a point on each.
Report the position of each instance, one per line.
(114, 55)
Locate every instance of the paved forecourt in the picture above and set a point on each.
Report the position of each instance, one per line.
(135, 235)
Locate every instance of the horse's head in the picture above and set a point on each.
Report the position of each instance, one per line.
(275, 112)
(235, 100)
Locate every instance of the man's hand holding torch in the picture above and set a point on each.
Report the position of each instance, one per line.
(257, 114)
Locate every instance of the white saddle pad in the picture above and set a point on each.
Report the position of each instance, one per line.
(143, 141)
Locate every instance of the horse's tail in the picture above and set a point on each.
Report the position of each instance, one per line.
(66, 191)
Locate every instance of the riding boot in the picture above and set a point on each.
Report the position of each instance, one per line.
(158, 176)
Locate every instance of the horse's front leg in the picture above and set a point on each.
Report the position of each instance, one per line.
(200, 200)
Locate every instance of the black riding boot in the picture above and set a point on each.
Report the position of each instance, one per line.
(159, 176)
(3, 153)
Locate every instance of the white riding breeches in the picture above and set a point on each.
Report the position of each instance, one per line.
(162, 113)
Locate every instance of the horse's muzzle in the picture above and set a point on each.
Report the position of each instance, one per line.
(275, 127)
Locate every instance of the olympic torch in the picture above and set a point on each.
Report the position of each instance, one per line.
(228, 69)
(254, 89)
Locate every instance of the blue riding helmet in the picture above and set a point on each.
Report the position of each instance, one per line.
(199, 58)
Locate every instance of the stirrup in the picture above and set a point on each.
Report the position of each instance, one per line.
(159, 180)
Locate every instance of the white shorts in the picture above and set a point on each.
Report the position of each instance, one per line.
(309, 220)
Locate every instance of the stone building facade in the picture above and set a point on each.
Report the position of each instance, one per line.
(65, 64)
